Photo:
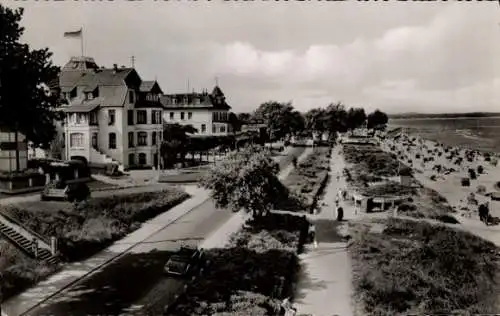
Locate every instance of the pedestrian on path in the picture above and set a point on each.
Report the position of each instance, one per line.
(340, 214)
(312, 235)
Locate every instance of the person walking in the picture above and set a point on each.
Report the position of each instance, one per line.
(484, 213)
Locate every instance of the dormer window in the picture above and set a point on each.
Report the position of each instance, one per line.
(89, 96)
(131, 97)
(174, 101)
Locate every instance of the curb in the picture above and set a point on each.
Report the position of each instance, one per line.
(106, 262)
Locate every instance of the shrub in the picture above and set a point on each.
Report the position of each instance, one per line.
(465, 182)
(258, 275)
(20, 271)
(433, 177)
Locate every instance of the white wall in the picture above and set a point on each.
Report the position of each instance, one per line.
(117, 128)
(199, 117)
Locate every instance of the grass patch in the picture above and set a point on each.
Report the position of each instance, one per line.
(87, 230)
(19, 271)
(419, 268)
(263, 256)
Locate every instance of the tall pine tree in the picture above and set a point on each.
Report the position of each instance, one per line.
(26, 104)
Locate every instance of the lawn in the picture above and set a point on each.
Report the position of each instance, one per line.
(85, 231)
(19, 271)
(245, 279)
(416, 268)
(309, 178)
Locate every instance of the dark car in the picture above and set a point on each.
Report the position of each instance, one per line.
(185, 261)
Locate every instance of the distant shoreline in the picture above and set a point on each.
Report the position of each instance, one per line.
(440, 118)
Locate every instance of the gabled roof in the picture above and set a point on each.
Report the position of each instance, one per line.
(148, 85)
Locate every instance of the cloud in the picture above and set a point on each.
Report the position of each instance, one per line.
(395, 56)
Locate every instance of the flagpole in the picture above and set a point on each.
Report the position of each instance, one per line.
(81, 42)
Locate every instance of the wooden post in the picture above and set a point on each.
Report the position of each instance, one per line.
(53, 245)
(34, 245)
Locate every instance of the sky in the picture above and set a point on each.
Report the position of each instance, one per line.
(431, 57)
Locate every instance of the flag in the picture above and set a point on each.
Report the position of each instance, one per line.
(73, 34)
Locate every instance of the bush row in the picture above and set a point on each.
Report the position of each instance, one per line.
(251, 276)
(94, 226)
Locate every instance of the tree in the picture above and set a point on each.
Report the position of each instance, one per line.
(175, 142)
(336, 118)
(244, 118)
(246, 180)
(316, 120)
(277, 116)
(235, 122)
(356, 117)
(27, 105)
(377, 118)
(297, 123)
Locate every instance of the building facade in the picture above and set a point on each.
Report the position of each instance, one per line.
(8, 161)
(208, 113)
(112, 115)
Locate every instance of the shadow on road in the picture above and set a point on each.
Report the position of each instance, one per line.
(115, 287)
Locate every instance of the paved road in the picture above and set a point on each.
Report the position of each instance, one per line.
(137, 275)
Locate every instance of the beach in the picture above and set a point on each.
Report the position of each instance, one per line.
(434, 168)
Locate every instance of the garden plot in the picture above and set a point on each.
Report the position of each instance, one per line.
(84, 231)
(310, 177)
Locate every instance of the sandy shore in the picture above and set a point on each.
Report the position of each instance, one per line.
(448, 183)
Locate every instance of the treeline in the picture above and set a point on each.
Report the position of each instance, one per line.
(442, 115)
(283, 119)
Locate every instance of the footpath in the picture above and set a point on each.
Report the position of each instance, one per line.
(73, 272)
(325, 286)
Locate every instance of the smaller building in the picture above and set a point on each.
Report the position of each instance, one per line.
(209, 113)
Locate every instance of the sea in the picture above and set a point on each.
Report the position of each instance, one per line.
(482, 133)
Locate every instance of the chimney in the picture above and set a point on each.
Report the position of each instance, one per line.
(115, 68)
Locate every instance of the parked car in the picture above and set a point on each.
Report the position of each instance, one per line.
(185, 261)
